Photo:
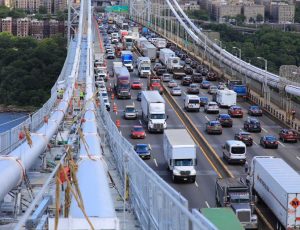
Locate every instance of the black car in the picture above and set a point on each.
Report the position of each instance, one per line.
(197, 77)
(244, 137)
(225, 120)
(188, 69)
(139, 96)
(269, 142)
(194, 64)
(161, 70)
(252, 125)
(186, 80)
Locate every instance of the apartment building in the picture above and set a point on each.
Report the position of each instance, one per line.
(37, 29)
(221, 10)
(190, 5)
(52, 6)
(6, 24)
(252, 11)
(23, 27)
(282, 12)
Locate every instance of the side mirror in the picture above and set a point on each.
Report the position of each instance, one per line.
(223, 146)
(171, 163)
(167, 117)
(196, 161)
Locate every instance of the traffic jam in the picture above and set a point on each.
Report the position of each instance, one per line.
(140, 67)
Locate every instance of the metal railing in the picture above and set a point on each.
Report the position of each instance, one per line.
(156, 204)
(9, 139)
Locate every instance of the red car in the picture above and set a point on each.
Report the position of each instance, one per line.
(235, 111)
(136, 85)
(138, 132)
(288, 135)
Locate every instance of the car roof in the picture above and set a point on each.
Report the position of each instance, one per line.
(224, 115)
(235, 143)
(235, 107)
(214, 122)
(244, 133)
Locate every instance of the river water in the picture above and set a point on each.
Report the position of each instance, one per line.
(9, 120)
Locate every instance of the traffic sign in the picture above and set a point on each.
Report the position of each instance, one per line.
(117, 9)
(295, 203)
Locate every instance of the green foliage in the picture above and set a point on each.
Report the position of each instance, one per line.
(61, 16)
(29, 68)
(297, 14)
(278, 47)
(42, 10)
(15, 13)
(198, 14)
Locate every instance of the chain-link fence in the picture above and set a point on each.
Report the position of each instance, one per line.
(9, 139)
(156, 204)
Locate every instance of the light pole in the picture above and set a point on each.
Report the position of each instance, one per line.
(266, 62)
(240, 51)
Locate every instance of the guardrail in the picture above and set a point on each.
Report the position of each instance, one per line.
(9, 139)
(156, 204)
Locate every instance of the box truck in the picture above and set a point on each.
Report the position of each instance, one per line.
(235, 194)
(226, 97)
(153, 111)
(149, 50)
(165, 54)
(278, 185)
(180, 154)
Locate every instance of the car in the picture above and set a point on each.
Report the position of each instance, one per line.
(104, 95)
(193, 89)
(186, 80)
(166, 77)
(203, 101)
(255, 110)
(244, 137)
(138, 132)
(197, 77)
(288, 135)
(130, 112)
(252, 125)
(225, 120)
(211, 107)
(212, 76)
(139, 96)
(188, 61)
(214, 127)
(212, 89)
(176, 91)
(235, 111)
(161, 71)
(221, 86)
(106, 103)
(172, 84)
(205, 84)
(188, 69)
(110, 55)
(143, 150)
(194, 64)
(156, 66)
(136, 85)
(101, 88)
(269, 142)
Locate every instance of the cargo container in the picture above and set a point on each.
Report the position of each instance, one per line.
(149, 50)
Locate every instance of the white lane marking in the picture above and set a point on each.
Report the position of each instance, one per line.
(196, 184)
(140, 121)
(206, 118)
(264, 130)
(255, 142)
(298, 158)
(207, 204)
(155, 162)
(281, 144)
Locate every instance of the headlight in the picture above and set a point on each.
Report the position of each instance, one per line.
(176, 172)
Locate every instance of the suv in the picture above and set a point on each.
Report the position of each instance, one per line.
(211, 107)
(225, 120)
(288, 135)
(252, 125)
(193, 89)
(130, 112)
(166, 77)
(197, 77)
(213, 127)
(186, 80)
(212, 89)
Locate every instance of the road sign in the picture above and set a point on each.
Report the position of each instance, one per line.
(295, 203)
(117, 9)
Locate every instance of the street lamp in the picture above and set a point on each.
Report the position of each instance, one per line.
(240, 51)
(266, 62)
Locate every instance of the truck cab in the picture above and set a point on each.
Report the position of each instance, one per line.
(234, 193)
(234, 151)
(154, 83)
(144, 65)
(128, 42)
(127, 59)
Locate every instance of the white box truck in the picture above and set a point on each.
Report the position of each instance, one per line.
(278, 185)
(165, 54)
(226, 98)
(149, 50)
(143, 66)
(139, 43)
(153, 111)
(180, 154)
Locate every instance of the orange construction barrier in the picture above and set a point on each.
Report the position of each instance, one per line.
(118, 123)
(115, 108)
(112, 96)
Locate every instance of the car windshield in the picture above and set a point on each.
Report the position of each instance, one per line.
(127, 62)
(176, 88)
(238, 150)
(203, 99)
(130, 110)
(245, 135)
(270, 138)
(194, 86)
(224, 116)
(136, 82)
(236, 108)
(104, 94)
(183, 162)
(214, 123)
(138, 129)
(146, 68)
(142, 148)
(157, 116)
(254, 107)
(194, 101)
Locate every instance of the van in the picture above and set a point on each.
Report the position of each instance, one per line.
(234, 151)
(192, 103)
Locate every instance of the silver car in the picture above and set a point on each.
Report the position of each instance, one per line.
(211, 107)
(166, 77)
(176, 91)
(130, 112)
(212, 89)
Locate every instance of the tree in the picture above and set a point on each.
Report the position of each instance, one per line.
(42, 10)
(259, 18)
(240, 18)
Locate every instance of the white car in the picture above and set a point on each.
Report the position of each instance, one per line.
(172, 84)
(104, 95)
(166, 77)
(211, 107)
(176, 91)
(102, 88)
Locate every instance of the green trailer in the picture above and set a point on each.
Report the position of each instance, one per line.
(222, 218)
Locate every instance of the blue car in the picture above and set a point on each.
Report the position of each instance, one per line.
(203, 101)
(143, 150)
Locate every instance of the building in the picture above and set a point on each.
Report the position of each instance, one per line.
(282, 13)
(21, 4)
(251, 12)
(53, 27)
(6, 25)
(8, 3)
(221, 11)
(60, 5)
(23, 27)
(190, 5)
(37, 29)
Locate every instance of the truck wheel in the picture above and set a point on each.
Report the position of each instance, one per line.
(174, 179)
(193, 180)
